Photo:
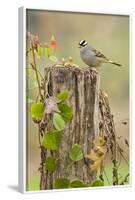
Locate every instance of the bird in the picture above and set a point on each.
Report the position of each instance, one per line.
(93, 57)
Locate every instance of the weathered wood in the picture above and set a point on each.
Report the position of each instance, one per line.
(83, 86)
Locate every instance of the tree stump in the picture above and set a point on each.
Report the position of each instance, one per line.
(83, 86)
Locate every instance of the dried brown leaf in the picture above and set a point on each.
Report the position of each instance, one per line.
(51, 105)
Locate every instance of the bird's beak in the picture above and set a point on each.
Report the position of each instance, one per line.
(79, 46)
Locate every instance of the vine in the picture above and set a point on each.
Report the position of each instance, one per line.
(53, 113)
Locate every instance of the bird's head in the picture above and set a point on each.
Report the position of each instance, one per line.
(83, 43)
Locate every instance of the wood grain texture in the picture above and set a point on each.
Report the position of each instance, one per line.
(83, 86)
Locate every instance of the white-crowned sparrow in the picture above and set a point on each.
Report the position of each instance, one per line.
(92, 57)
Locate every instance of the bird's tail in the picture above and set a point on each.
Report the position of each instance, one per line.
(114, 63)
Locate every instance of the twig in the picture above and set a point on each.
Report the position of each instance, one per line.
(28, 51)
(109, 128)
(122, 155)
(35, 68)
(106, 176)
(119, 161)
(39, 138)
(125, 180)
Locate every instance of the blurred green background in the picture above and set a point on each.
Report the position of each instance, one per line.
(108, 34)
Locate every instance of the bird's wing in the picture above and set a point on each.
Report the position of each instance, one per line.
(99, 54)
(103, 58)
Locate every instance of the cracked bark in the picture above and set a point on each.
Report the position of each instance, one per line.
(83, 86)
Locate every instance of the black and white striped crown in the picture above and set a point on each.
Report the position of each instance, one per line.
(83, 43)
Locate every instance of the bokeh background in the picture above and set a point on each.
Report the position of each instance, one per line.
(108, 34)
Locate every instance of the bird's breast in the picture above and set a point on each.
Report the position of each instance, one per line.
(88, 59)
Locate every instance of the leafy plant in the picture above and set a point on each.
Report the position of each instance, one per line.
(48, 51)
(97, 183)
(58, 122)
(76, 153)
(52, 140)
(40, 51)
(50, 164)
(77, 184)
(66, 111)
(53, 58)
(63, 95)
(37, 110)
(53, 113)
(62, 183)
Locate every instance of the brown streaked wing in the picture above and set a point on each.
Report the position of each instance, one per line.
(99, 54)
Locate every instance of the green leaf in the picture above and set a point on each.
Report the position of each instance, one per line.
(62, 183)
(52, 140)
(75, 153)
(40, 51)
(97, 183)
(37, 110)
(48, 51)
(66, 111)
(58, 122)
(77, 184)
(63, 95)
(50, 164)
(53, 59)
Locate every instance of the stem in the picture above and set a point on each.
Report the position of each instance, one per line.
(36, 71)
(125, 180)
(122, 155)
(27, 52)
(40, 74)
(109, 128)
(106, 176)
(39, 138)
